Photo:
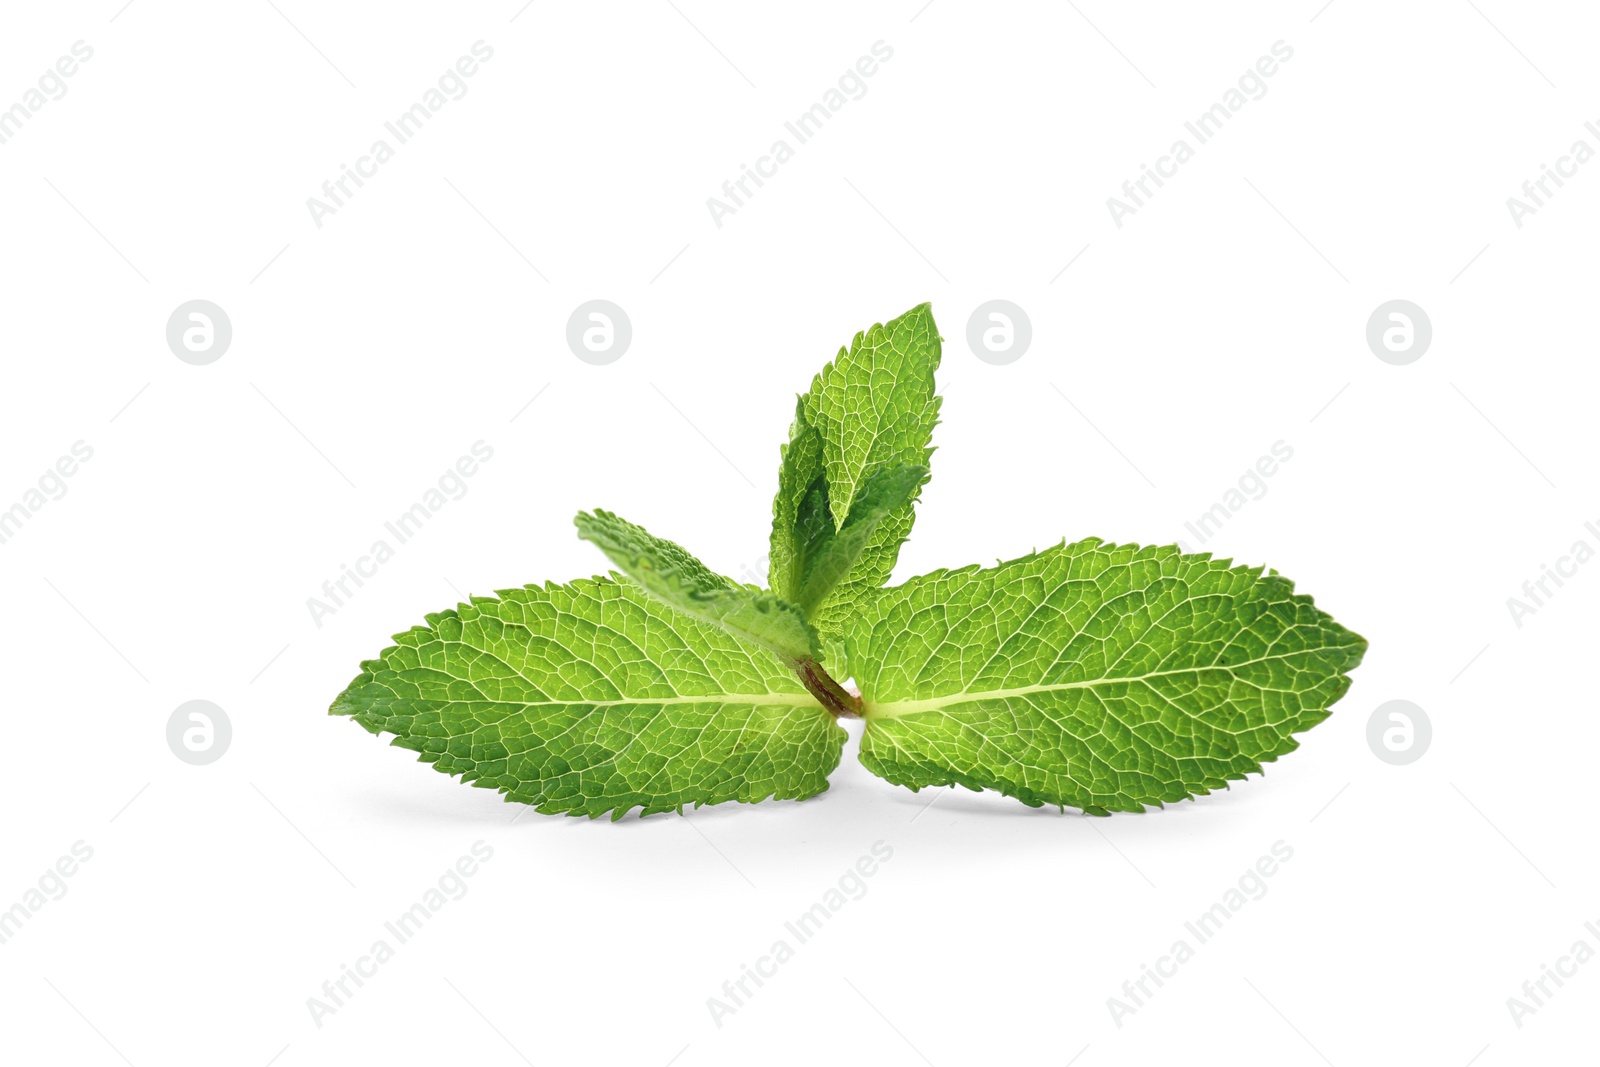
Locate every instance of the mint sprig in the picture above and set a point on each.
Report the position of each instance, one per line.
(1097, 676)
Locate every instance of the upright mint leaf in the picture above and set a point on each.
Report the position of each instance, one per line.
(594, 697)
(1105, 677)
(872, 408)
(667, 571)
(874, 405)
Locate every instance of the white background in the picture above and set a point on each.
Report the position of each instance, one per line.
(368, 354)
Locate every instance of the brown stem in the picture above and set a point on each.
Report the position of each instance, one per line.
(839, 701)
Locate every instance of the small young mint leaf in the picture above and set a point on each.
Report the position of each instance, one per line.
(832, 554)
(596, 697)
(669, 572)
(1104, 677)
(800, 509)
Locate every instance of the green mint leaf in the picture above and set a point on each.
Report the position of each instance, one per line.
(1104, 677)
(594, 697)
(802, 490)
(667, 571)
(832, 554)
(874, 405)
(872, 408)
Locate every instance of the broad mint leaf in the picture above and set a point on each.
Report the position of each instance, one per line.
(871, 409)
(596, 697)
(666, 570)
(1104, 677)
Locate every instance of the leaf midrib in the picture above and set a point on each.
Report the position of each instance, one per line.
(798, 700)
(900, 708)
